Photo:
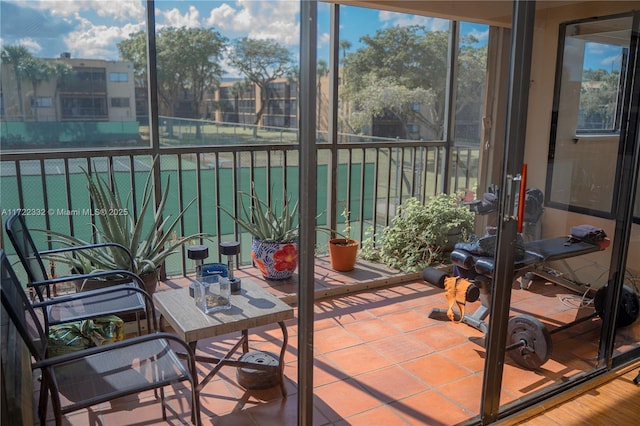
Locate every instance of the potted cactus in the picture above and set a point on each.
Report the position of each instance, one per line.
(274, 247)
(149, 242)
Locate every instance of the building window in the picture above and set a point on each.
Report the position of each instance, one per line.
(41, 102)
(119, 102)
(119, 77)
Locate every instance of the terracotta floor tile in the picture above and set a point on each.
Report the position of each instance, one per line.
(371, 329)
(281, 412)
(220, 396)
(435, 369)
(466, 392)
(378, 416)
(345, 399)
(379, 359)
(387, 307)
(390, 384)
(326, 371)
(430, 409)
(469, 355)
(357, 360)
(520, 382)
(439, 337)
(334, 338)
(406, 321)
(400, 348)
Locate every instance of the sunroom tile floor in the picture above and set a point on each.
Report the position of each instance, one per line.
(379, 360)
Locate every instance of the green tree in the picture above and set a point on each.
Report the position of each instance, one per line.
(17, 57)
(405, 63)
(321, 72)
(262, 62)
(598, 99)
(36, 71)
(188, 61)
(345, 45)
(134, 50)
(60, 71)
(239, 89)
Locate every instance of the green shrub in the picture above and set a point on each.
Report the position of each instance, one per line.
(420, 234)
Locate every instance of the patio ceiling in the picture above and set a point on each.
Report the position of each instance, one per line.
(491, 12)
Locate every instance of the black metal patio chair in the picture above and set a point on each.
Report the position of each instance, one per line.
(81, 379)
(129, 297)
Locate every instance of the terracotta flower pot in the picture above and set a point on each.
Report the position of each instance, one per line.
(276, 261)
(342, 254)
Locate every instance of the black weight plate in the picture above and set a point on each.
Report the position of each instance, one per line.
(536, 349)
(628, 308)
(251, 378)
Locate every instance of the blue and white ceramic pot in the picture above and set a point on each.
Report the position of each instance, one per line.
(276, 261)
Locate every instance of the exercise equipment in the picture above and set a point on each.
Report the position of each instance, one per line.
(231, 249)
(198, 253)
(529, 342)
(535, 263)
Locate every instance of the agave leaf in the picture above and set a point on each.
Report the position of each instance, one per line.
(149, 243)
(264, 222)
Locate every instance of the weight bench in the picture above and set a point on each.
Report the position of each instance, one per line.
(529, 342)
(535, 262)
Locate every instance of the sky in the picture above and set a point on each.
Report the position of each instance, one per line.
(92, 28)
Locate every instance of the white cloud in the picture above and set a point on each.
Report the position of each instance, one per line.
(275, 19)
(119, 9)
(173, 18)
(481, 36)
(32, 45)
(98, 41)
(392, 19)
(611, 62)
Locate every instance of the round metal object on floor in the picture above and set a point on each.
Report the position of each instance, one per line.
(528, 342)
(628, 307)
(250, 378)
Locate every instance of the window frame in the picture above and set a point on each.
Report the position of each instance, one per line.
(579, 133)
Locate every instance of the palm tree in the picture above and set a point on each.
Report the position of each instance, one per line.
(322, 71)
(36, 70)
(17, 57)
(59, 71)
(345, 45)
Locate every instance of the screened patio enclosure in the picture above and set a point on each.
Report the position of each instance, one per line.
(478, 89)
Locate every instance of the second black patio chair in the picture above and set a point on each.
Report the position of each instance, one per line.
(88, 377)
(129, 297)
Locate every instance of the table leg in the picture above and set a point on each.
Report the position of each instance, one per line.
(283, 350)
(245, 337)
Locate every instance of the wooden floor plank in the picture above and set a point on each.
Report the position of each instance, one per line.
(616, 402)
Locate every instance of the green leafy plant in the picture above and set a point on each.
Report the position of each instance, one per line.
(150, 243)
(265, 222)
(420, 233)
(343, 238)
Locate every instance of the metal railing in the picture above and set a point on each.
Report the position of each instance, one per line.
(373, 177)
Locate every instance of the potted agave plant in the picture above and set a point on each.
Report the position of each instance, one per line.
(274, 247)
(343, 250)
(149, 242)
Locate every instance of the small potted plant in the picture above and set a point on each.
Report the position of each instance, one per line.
(343, 250)
(274, 247)
(150, 243)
